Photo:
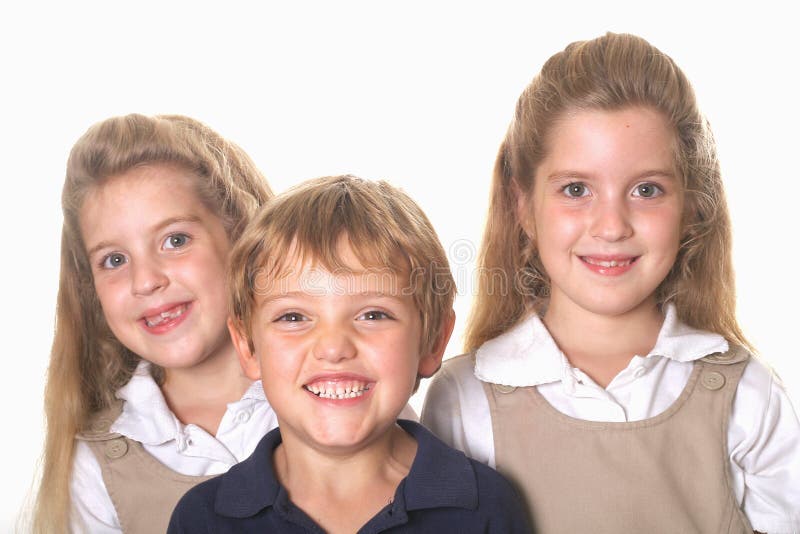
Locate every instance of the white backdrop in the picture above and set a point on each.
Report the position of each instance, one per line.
(418, 93)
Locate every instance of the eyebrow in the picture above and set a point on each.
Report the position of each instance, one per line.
(303, 294)
(155, 228)
(570, 175)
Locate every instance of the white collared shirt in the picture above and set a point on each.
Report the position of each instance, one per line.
(187, 449)
(763, 433)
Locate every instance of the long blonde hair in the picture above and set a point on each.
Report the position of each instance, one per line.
(87, 363)
(607, 73)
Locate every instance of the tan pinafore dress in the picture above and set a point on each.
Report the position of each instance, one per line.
(669, 473)
(144, 491)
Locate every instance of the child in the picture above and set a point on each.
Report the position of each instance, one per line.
(609, 378)
(143, 370)
(342, 300)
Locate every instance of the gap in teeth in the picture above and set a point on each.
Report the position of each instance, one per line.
(163, 316)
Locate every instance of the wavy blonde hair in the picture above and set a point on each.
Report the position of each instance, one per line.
(386, 229)
(607, 73)
(87, 363)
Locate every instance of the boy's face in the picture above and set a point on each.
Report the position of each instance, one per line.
(338, 353)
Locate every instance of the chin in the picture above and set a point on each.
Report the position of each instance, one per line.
(613, 307)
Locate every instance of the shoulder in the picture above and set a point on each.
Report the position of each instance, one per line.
(499, 504)
(201, 496)
(467, 492)
(195, 510)
(499, 501)
(458, 368)
(761, 402)
(457, 411)
(455, 378)
(493, 488)
(98, 428)
(758, 386)
(452, 385)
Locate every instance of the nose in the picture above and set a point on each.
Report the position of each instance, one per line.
(611, 221)
(334, 345)
(147, 278)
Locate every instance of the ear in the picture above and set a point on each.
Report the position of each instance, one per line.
(523, 208)
(431, 362)
(247, 358)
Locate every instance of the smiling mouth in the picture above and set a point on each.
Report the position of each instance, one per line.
(167, 315)
(349, 389)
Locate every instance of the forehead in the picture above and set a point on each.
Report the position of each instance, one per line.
(138, 198)
(627, 137)
(344, 275)
(156, 185)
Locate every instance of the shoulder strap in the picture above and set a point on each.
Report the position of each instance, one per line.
(99, 426)
(735, 354)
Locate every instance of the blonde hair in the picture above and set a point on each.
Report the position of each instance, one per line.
(87, 363)
(384, 227)
(608, 73)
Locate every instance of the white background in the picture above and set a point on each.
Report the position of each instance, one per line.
(418, 93)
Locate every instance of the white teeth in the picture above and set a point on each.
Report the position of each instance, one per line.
(611, 263)
(338, 391)
(163, 316)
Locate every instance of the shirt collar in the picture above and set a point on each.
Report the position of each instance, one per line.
(682, 343)
(527, 355)
(146, 417)
(439, 477)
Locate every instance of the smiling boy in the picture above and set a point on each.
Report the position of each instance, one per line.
(342, 301)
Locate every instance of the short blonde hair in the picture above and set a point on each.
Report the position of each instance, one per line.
(385, 229)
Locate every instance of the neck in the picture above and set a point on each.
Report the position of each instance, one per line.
(200, 394)
(342, 491)
(603, 345)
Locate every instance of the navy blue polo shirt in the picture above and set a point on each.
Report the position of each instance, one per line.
(444, 492)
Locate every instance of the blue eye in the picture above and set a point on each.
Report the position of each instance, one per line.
(647, 190)
(374, 315)
(113, 260)
(576, 190)
(291, 317)
(176, 241)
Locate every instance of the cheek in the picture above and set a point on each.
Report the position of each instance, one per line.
(556, 228)
(664, 232)
(283, 356)
(210, 267)
(109, 293)
(401, 358)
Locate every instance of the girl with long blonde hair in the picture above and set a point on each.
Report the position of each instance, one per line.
(607, 374)
(145, 396)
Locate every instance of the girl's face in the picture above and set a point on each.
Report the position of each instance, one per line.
(607, 204)
(158, 257)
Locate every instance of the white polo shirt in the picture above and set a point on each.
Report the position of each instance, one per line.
(763, 434)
